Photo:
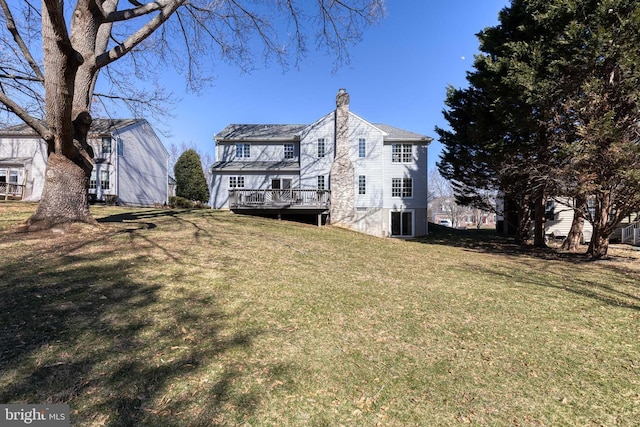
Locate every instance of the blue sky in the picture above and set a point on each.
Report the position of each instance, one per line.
(398, 75)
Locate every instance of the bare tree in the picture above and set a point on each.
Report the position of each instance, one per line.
(54, 54)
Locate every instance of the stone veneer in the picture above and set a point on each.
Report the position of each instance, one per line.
(342, 178)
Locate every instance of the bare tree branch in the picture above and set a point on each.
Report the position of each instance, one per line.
(13, 29)
(42, 130)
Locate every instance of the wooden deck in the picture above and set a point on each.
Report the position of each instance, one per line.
(281, 202)
(310, 200)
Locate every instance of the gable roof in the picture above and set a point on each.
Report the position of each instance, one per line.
(262, 132)
(98, 127)
(291, 132)
(394, 133)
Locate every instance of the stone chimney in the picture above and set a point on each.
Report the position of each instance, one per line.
(343, 195)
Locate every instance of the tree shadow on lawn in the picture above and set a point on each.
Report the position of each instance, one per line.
(78, 327)
(624, 292)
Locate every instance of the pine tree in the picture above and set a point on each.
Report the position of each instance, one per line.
(190, 181)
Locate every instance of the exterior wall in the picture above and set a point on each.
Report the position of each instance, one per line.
(312, 166)
(560, 225)
(416, 170)
(272, 151)
(142, 165)
(371, 166)
(34, 171)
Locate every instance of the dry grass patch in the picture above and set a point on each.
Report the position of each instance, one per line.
(199, 318)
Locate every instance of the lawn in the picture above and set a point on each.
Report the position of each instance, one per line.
(199, 318)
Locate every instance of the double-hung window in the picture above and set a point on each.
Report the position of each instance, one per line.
(243, 151)
(401, 153)
(321, 183)
(288, 151)
(362, 184)
(106, 145)
(362, 147)
(93, 179)
(104, 180)
(321, 147)
(401, 187)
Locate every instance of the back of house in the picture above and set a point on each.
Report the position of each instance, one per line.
(368, 177)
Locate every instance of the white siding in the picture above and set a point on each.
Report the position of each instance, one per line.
(562, 220)
(143, 168)
(260, 151)
(33, 148)
(312, 166)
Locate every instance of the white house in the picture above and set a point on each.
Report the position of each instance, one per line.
(131, 163)
(367, 177)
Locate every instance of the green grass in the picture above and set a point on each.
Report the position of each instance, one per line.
(199, 318)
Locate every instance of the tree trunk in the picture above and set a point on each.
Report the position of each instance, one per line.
(538, 229)
(599, 244)
(574, 238)
(69, 164)
(64, 197)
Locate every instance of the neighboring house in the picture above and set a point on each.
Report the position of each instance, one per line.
(368, 177)
(559, 218)
(131, 164)
(445, 211)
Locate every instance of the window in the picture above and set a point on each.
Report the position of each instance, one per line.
(106, 145)
(401, 187)
(3, 175)
(288, 151)
(120, 147)
(549, 214)
(243, 151)
(402, 223)
(236, 182)
(321, 147)
(92, 180)
(362, 184)
(401, 153)
(362, 147)
(104, 180)
(13, 176)
(321, 184)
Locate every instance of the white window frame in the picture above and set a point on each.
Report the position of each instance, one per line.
(362, 184)
(401, 153)
(362, 147)
(105, 181)
(322, 182)
(322, 148)
(243, 150)
(402, 188)
(236, 182)
(289, 151)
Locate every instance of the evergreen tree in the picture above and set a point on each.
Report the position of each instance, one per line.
(190, 181)
(552, 110)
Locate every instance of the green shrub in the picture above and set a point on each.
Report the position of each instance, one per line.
(190, 181)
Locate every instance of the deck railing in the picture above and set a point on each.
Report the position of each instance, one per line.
(9, 189)
(631, 232)
(279, 199)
